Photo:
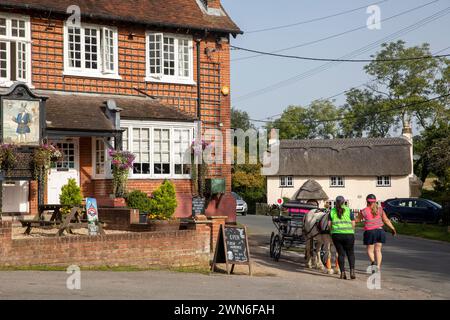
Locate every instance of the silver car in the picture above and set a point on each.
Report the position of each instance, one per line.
(241, 205)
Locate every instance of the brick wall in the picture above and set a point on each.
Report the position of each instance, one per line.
(186, 248)
(47, 74)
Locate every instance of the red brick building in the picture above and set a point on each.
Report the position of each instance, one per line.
(144, 68)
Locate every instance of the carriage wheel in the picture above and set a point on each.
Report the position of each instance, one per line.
(271, 244)
(278, 243)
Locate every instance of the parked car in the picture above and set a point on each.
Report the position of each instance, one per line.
(241, 205)
(413, 210)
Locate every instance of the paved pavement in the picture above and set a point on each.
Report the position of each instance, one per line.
(413, 270)
(413, 262)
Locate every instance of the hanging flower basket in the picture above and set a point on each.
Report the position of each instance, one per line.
(8, 157)
(43, 158)
(122, 163)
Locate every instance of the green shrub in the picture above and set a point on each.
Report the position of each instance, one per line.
(71, 194)
(138, 200)
(163, 202)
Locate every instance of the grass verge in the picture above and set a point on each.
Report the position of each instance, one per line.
(427, 231)
(107, 268)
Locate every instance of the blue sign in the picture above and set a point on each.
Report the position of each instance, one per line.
(91, 210)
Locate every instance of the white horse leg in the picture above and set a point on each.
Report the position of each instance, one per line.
(308, 253)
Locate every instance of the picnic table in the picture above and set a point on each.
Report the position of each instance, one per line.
(75, 220)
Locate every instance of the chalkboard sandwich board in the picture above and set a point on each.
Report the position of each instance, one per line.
(232, 248)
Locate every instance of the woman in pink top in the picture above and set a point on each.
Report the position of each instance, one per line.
(374, 236)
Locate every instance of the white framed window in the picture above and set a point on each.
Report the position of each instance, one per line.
(162, 149)
(337, 182)
(286, 181)
(383, 181)
(141, 149)
(91, 51)
(15, 49)
(169, 58)
(181, 151)
(101, 164)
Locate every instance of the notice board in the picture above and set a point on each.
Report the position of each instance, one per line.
(232, 248)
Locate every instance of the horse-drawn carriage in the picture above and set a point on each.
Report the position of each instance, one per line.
(289, 229)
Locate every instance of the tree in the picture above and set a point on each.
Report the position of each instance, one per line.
(240, 120)
(298, 122)
(248, 182)
(365, 114)
(409, 82)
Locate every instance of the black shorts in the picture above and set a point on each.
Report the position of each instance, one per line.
(374, 236)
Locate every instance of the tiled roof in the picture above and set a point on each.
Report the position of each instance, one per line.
(72, 111)
(165, 13)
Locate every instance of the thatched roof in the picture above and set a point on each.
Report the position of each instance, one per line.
(311, 190)
(345, 157)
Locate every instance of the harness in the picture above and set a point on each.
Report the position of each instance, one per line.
(317, 224)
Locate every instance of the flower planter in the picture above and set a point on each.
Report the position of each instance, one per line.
(112, 203)
(164, 225)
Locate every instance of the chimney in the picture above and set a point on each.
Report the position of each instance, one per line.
(213, 4)
(407, 132)
(408, 135)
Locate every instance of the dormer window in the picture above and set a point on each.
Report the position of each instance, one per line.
(169, 58)
(15, 49)
(91, 51)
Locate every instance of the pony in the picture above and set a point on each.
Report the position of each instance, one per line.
(315, 226)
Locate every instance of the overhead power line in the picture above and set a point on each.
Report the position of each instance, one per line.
(312, 20)
(342, 92)
(352, 54)
(401, 107)
(339, 60)
(335, 35)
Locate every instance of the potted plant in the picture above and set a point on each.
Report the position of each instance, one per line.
(122, 162)
(163, 203)
(8, 157)
(139, 200)
(70, 196)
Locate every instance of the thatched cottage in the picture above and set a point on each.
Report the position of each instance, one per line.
(352, 168)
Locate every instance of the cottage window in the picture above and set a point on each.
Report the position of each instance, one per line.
(160, 150)
(337, 182)
(169, 58)
(182, 154)
(100, 157)
(383, 181)
(286, 182)
(91, 51)
(141, 149)
(100, 160)
(15, 50)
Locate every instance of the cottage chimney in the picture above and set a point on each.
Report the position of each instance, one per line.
(408, 135)
(407, 132)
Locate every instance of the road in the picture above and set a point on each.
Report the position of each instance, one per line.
(413, 269)
(409, 261)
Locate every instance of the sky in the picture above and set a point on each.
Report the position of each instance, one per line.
(261, 73)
